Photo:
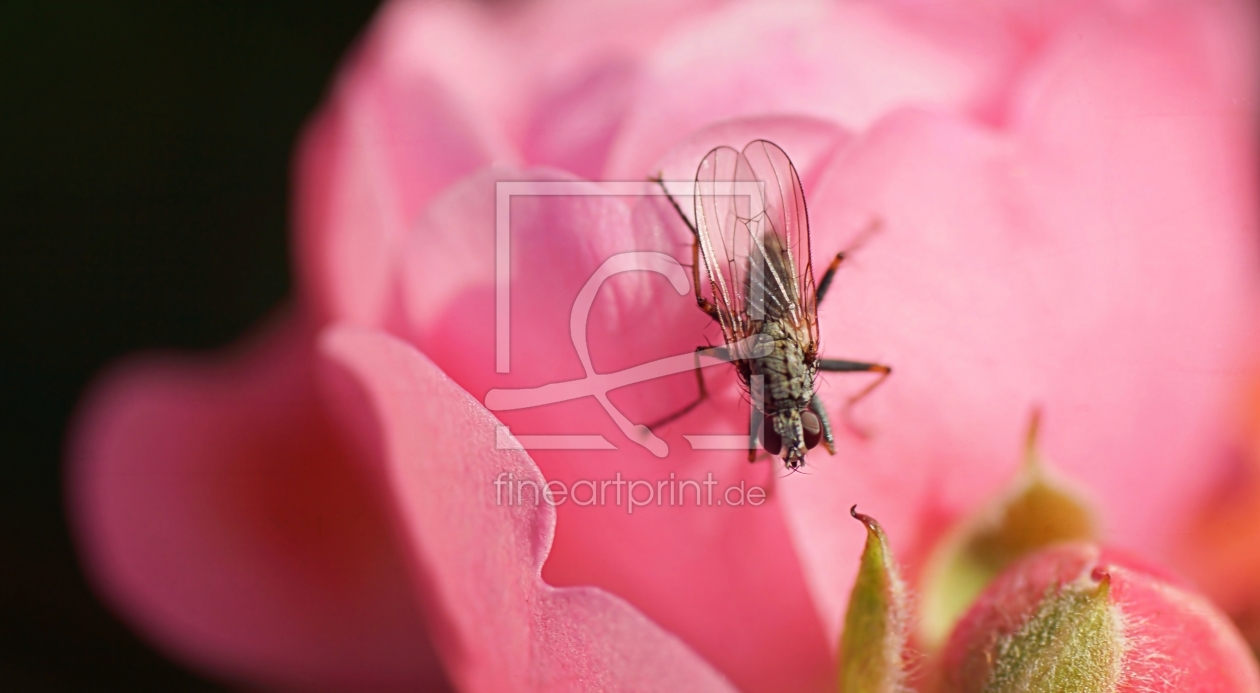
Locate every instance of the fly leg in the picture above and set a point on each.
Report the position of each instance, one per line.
(841, 366)
(721, 353)
(704, 303)
(828, 440)
(754, 429)
(830, 274)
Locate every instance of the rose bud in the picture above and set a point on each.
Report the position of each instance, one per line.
(1077, 617)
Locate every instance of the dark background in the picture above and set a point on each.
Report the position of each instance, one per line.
(144, 154)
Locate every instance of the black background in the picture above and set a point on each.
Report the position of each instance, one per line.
(144, 156)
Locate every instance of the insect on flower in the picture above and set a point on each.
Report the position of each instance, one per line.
(752, 231)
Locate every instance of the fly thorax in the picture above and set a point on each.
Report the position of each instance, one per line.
(788, 374)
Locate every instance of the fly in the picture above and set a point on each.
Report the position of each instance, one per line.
(752, 233)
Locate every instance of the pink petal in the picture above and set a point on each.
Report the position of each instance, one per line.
(477, 560)
(809, 141)
(398, 128)
(435, 91)
(1031, 22)
(585, 78)
(1221, 546)
(502, 62)
(577, 120)
(1096, 260)
(1189, 644)
(724, 579)
(847, 63)
(216, 509)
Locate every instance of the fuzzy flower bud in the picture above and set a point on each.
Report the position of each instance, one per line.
(1076, 617)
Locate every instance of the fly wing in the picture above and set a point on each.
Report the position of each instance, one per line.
(725, 197)
(784, 232)
(754, 239)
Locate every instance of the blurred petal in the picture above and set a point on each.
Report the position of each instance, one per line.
(216, 509)
(1098, 260)
(1221, 546)
(587, 77)
(477, 560)
(436, 91)
(398, 127)
(844, 62)
(575, 125)
(810, 143)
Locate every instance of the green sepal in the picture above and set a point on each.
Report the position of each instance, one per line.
(1071, 642)
(872, 647)
(1036, 511)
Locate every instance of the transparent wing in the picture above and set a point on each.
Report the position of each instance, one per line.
(790, 292)
(754, 239)
(723, 207)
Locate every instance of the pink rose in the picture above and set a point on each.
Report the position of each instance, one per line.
(1065, 198)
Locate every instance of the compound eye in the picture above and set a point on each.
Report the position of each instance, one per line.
(812, 428)
(770, 439)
